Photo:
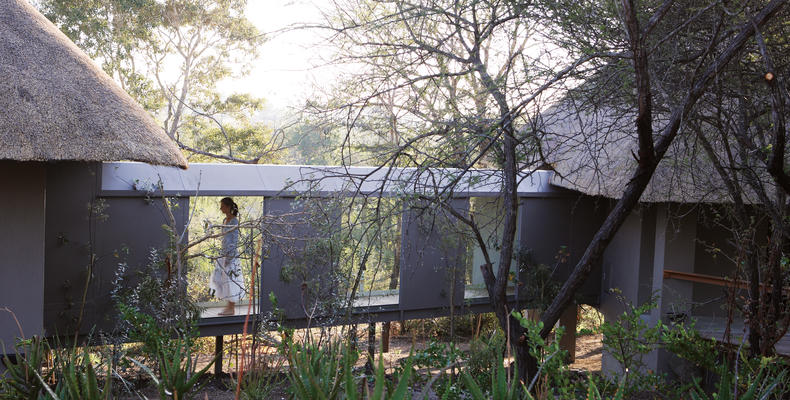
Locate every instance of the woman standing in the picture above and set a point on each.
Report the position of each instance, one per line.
(226, 281)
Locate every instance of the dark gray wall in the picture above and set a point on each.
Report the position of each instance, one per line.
(675, 231)
(547, 224)
(433, 258)
(623, 270)
(21, 249)
(81, 226)
(305, 287)
(654, 238)
(680, 243)
(711, 300)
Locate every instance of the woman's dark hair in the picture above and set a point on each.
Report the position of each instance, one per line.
(234, 208)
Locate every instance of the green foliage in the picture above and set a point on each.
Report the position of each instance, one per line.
(501, 387)
(111, 32)
(629, 339)
(258, 383)
(436, 355)
(758, 386)
(540, 289)
(686, 343)
(590, 320)
(138, 41)
(439, 357)
(382, 389)
(594, 394)
(755, 378)
(318, 372)
(173, 351)
(327, 372)
(178, 370)
(157, 308)
(552, 375)
(484, 354)
(178, 376)
(462, 326)
(24, 378)
(77, 378)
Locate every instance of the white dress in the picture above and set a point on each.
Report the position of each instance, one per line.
(226, 280)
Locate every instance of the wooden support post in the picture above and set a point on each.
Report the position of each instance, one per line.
(218, 350)
(568, 319)
(372, 342)
(370, 364)
(533, 314)
(385, 337)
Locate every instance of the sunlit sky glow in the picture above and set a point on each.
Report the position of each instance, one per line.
(288, 65)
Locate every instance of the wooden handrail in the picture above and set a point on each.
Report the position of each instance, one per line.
(711, 280)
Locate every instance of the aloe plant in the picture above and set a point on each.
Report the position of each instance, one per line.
(316, 372)
(78, 379)
(179, 376)
(258, 383)
(24, 380)
(380, 389)
(758, 388)
(594, 394)
(500, 389)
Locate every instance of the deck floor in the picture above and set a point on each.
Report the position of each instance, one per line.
(713, 328)
(212, 309)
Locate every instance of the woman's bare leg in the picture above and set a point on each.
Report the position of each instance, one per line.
(229, 309)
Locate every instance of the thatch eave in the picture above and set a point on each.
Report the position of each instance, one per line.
(58, 105)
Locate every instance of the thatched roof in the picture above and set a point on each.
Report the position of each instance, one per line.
(592, 151)
(56, 104)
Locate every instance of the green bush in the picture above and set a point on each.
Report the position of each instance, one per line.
(463, 326)
(500, 388)
(552, 376)
(382, 389)
(629, 339)
(484, 354)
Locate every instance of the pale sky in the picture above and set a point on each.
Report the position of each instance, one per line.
(290, 61)
(287, 66)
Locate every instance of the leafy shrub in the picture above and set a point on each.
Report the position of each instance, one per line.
(753, 378)
(484, 354)
(441, 357)
(382, 389)
(463, 326)
(500, 388)
(552, 378)
(629, 339)
(436, 356)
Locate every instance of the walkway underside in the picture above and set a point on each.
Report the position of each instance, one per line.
(375, 308)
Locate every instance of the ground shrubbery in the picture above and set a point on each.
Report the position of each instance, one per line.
(332, 367)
